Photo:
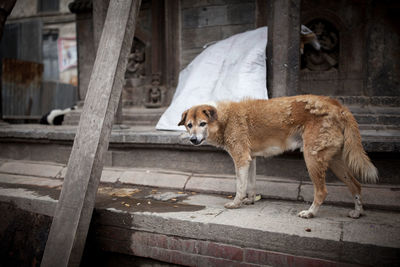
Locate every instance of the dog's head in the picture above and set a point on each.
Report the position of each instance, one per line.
(197, 121)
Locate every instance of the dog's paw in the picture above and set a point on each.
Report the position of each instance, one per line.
(355, 214)
(232, 205)
(248, 201)
(306, 214)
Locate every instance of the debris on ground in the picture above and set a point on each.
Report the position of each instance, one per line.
(167, 196)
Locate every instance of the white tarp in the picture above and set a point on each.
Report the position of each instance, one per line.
(230, 69)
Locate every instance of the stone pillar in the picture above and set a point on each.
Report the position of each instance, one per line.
(90, 19)
(283, 48)
(172, 56)
(85, 44)
(5, 10)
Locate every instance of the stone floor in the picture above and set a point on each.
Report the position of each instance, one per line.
(173, 217)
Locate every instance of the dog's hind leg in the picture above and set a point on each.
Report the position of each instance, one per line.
(251, 187)
(319, 149)
(316, 171)
(342, 172)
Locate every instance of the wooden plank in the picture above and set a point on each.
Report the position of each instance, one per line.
(74, 210)
(99, 16)
(283, 48)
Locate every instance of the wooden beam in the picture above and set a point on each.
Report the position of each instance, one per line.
(100, 8)
(74, 210)
(283, 48)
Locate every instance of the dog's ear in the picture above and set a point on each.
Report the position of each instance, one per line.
(211, 113)
(183, 120)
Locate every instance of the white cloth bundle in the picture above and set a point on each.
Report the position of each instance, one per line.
(230, 69)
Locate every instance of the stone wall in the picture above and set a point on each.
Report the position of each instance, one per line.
(360, 55)
(383, 49)
(203, 22)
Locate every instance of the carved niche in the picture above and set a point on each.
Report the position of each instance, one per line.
(328, 57)
(136, 74)
(136, 61)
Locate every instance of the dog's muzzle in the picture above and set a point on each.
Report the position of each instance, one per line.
(195, 141)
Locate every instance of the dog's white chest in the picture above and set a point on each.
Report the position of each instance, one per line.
(269, 151)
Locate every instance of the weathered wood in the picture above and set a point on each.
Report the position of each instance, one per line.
(75, 207)
(86, 52)
(99, 16)
(283, 49)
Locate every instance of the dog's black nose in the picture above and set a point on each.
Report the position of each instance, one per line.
(193, 139)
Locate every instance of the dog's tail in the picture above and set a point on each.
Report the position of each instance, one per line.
(353, 152)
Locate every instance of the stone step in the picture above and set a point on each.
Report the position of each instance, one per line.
(378, 119)
(142, 116)
(367, 110)
(386, 197)
(144, 147)
(180, 226)
(372, 101)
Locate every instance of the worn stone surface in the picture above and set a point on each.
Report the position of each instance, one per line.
(265, 229)
(29, 180)
(373, 196)
(51, 170)
(151, 178)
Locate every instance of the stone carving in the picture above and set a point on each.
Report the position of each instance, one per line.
(155, 93)
(328, 56)
(136, 61)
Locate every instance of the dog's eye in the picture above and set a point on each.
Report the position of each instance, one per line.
(189, 125)
(203, 124)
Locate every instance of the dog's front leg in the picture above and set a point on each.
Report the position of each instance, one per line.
(251, 187)
(242, 173)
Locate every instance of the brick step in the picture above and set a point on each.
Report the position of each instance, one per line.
(195, 229)
(143, 147)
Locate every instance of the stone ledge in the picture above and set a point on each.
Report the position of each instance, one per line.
(373, 140)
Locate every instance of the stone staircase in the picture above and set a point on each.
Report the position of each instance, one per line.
(140, 156)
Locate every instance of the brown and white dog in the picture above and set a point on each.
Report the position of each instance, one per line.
(321, 127)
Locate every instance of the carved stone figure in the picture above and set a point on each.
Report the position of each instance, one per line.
(154, 94)
(327, 57)
(136, 61)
